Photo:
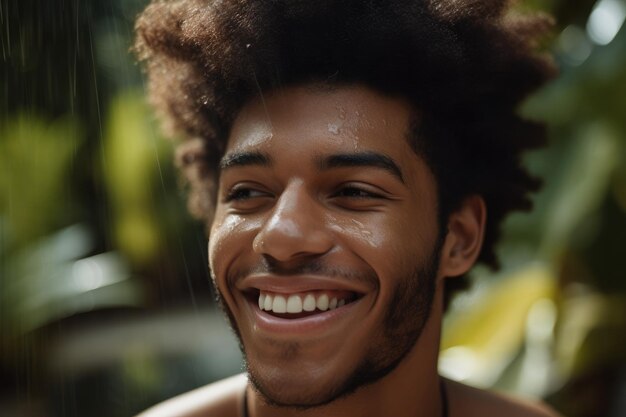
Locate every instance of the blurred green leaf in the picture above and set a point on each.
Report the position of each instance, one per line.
(35, 160)
(132, 152)
(51, 279)
(480, 340)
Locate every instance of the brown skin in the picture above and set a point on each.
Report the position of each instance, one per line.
(380, 226)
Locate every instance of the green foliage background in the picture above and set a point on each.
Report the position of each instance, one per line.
(105, 302)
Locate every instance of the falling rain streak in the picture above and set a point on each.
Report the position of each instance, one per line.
(93, 234)
(106, 305)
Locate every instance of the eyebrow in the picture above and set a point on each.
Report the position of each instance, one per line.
(361, 159)
(242, 159)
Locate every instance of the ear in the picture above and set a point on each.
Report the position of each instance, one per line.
(464, 240)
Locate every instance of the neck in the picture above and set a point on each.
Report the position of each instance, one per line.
(412, 389)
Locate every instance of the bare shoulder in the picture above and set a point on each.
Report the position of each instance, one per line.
(466, 401)
(222, 398)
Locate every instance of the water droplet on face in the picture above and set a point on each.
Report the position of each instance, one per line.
(333, 128)
(342, 113)
(360, 230)
(358, 223)
(231, 224)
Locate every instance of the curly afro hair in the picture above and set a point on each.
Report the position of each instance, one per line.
(465, 65)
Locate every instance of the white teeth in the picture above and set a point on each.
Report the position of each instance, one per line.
(309, 303)
(294, 304)
(322, 302)
(279, 305)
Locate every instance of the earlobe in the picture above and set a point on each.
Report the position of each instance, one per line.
(466, 228)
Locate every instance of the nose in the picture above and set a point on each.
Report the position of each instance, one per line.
(294, 227)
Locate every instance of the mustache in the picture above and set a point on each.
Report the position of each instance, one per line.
(315, 266)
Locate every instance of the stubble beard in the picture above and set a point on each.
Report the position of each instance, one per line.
(405, 319)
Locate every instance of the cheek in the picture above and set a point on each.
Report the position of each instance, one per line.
(386, 232)
(230, 235)
(376, 238)
(393, 244)
(357, 232)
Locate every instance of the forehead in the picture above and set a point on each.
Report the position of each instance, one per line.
(346, 118)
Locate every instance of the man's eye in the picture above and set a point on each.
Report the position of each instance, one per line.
(354, 192)
(242, 194)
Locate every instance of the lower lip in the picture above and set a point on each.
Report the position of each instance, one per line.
(316, 323)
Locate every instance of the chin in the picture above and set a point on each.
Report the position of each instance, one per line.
(299, 390)
(302, 389)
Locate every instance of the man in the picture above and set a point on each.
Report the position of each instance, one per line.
(353, 160)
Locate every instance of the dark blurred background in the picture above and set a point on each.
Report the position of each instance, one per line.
(105, 301)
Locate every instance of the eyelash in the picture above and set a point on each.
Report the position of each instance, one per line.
(237, 194)
(347, 191)
(363, 194)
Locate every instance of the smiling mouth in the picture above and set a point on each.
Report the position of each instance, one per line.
(303, 304)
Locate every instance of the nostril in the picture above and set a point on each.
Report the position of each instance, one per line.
(287, 246)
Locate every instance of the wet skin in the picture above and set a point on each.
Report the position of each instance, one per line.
(320, 190)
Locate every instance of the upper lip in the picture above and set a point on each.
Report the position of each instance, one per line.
(289, 284)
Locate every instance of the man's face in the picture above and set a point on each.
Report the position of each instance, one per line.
(324, 244)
